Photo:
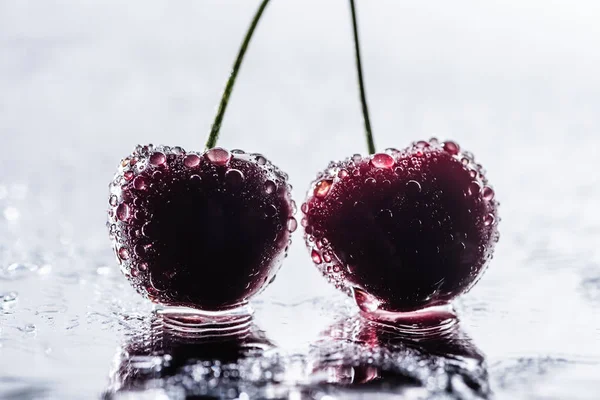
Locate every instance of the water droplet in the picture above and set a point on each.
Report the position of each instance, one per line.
(398, 170)
(342, 173)
(294, 207)
(488, 219)
(113, 200)
(191, 160)
(322, 188)
(465, 161)
(386, 214)
(292, 224)
(316, 257)
(128, 175)
(123, 253)
(474, 189)
(356, 157)
(143, 267)
(451, 147)
(158, 159)
(123, 212)
(260, 160)
(304, 208)
(327, 256)
(488, 193)
(157, 175)
(195, 179)
(304, 222)
(270, 187)
(234, 177)
(139, 183)
(371, 181)
(473, 174)
(270, 210)
(365, 301)
(382, 160)
(148, 229)
(413, 187)
(422, 144)
(419, 153)
(218, 156)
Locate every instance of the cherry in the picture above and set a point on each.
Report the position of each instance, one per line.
(402, 230)
(206, 230)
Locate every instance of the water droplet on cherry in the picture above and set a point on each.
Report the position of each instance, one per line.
(234, 177)
(123, 253)
(218, 156)
(322, 188)
(413, 187)
(451, 147)
(123, 212)
(316, 257)
(292, 224)
(474, 189)
(382, 160)
(488, 193)
(157, 159)
(270, 187)
(139, 183)
(488, 219)
(191, 160)
(113, 200)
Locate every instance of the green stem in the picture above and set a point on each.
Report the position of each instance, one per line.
(361, 83)
(216, 127)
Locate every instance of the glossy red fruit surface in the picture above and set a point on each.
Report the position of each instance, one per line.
(402, 230)
(203, 230)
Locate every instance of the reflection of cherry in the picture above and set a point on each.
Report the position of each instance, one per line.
(357, 353)
(160, 357)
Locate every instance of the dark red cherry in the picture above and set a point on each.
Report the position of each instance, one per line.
(402, 230)
(203, 230)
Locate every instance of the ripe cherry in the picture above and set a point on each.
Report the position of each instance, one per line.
(206, 230)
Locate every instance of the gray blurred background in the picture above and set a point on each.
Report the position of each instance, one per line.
(514, 81)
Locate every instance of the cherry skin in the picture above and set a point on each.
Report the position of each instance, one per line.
(402, 230)
(202, 230)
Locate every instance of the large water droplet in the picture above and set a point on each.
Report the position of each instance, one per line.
(113, 200)
(304, 208)
(451, 148)
(123, 212)
(270, 187)
(488, 219)
(191, 160)
(316, 257)
(382, 160)
(128, 175)
(218, 156)
(292, 224)
(474, 189)
(123, 253)
(322, 188)
(234, 177)
(488, 193)
(158, 159)
(139, 183)
(260, 160)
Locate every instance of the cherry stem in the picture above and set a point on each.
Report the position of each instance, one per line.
(361, 83)
(216, 127)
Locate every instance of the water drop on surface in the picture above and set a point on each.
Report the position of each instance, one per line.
(218, 156)
(123, 212)
(113, 200)
(157, 159)
(128, 175)
(488, 193)
(489, 220)
(270, 210)
(143, 267)
(382, 160)
(260, 160)
(327, 257)
(195, 179)
(191, 161)
(270, 187)
(413, 187)
(474, 189)
(451, 147)
(322, 188)
(304, 208)
(234, 177)
(371, 181)
(294, 207)
(123, 253)
(292, 224)
(342, 174)
(316, 257)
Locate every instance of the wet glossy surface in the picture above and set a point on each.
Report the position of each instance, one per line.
(82, 83)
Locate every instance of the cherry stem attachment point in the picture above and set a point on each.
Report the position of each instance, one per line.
(361, 83)
(216, 127)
